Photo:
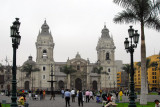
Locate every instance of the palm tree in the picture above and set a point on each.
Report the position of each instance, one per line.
(146, 12)
(29, 68)
(98, 70)
(1, 67)
(67, 70)
(127, 69)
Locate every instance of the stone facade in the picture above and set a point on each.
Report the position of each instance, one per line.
(84, 77)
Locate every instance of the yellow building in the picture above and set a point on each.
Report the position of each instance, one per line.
(118, 79)
(153, 74)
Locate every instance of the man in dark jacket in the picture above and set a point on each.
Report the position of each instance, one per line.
(80, 98)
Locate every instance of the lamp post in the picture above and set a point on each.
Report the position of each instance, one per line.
(15, 42)
(52, 81)
(114, 83)
(110, 86)
(134, 36)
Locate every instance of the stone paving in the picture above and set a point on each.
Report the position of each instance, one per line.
(59, 102)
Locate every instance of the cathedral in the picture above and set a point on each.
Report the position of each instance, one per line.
(83, 78)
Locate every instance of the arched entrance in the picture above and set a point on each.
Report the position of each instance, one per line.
(61, 84)
(78, 84)
(26, 85)
(94, 85)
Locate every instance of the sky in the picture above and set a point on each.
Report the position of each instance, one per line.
(75, 25)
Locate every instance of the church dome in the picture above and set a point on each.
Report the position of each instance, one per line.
(105, 42)
(29, 61)
(45, 30)
(78, 56)
(45, 25)
(105, 32)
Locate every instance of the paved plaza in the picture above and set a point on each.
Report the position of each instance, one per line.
(59, 102)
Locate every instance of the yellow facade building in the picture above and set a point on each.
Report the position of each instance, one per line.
(118, 79)
(153, 74)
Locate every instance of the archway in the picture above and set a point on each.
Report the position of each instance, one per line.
(78, 84)
(61, 84)
(26, 85)
(94, 85)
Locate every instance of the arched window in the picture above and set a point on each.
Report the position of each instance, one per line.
(44, 68)
(109, 70)
(78, 67)
(107, 56)
(44, 53)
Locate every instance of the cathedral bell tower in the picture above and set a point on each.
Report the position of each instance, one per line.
(44, 57)
(105, 56)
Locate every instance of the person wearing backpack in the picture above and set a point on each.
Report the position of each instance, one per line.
(80, 98)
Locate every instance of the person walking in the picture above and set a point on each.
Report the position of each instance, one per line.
(91, 95)
(73, 95)
(80, 98)
(67, 95)
(44, 94)
(62, 92)
(52, 95)
(121, 94)
(87, 96)
(41, 94)
(30, 95)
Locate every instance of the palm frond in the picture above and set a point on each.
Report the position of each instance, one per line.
(126, 16)
(126, 68)
(124, 3)
(138, 64)
(67, 69)
(153, 22)
(155, 7)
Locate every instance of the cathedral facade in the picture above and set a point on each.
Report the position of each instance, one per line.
(83, 78)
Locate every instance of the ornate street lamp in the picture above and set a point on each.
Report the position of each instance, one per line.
(134, 36)
(15, 42)
(110, 86)
(52, 81)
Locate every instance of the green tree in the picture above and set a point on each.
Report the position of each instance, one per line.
(67, 69)
(1, 67)
(29, 68)
(98, 70)
(126, 68)
(146, 12)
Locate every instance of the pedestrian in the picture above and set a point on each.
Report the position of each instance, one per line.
(29, 94)
(8, 93)
(62, 92)
(157, 104)
(80, 98)
(91, 95)
(73, 95)
(67, 95)
(120, 94)
(44, 94)
(117, 95)
(41, 94)
(87, 96)
(52, 95)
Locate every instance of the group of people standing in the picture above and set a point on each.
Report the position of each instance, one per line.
(81, 95)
